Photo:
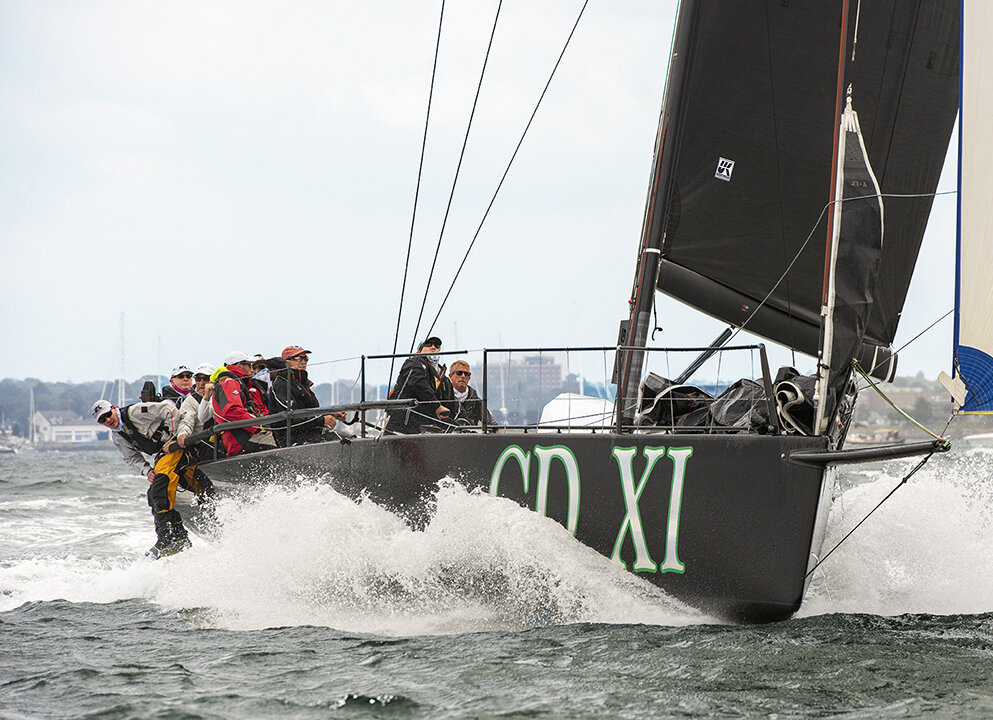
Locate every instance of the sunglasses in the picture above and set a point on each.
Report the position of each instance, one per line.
(184, 376)
(105, 417)
(465, 373)
(300, 358)
(198, 378)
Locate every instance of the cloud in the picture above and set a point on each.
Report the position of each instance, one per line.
(242, 175)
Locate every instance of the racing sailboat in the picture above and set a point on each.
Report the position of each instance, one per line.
(798, 152)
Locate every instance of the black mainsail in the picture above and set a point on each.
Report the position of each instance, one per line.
(739, 201)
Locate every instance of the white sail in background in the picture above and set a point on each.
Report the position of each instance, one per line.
(974, 302)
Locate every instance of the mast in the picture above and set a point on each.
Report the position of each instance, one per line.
(629, 364)
(821, 400)
(852, 258)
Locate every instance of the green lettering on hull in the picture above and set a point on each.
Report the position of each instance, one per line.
(671, 563)
(545, 457)
(632, 525)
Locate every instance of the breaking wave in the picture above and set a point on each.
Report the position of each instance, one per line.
(309, 556)
(926, 550)
(305, 555)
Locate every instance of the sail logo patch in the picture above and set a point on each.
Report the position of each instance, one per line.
(724, 169)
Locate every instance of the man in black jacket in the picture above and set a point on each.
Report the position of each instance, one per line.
(468, 407)
(290, 389)
(422, 379)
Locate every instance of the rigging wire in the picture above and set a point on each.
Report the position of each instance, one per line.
(455, 181)
(655, 315)
(799, 252)
(903, 347)
(859, 524)
(509, 164)
(919, 426)
(922, 332)
(417, 191)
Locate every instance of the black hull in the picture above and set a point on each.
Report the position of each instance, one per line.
(728, 525)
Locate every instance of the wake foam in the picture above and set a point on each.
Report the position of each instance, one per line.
(309, 556)
(926, 550)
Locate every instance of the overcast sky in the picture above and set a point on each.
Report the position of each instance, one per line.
(241, 175)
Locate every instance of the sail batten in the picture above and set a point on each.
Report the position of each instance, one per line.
(974, 301)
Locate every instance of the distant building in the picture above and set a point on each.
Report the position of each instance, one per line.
(65, 426)
(536, 370)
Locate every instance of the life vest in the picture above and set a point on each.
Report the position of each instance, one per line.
(249, 400)
(171, 393)
(434, 377)
(148, 445)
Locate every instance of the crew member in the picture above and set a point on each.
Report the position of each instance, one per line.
(191, 419)
(420, 378)
(204, 375)
(468, 407)
(291, 390)
(260, 375)
(193, 454)
(236, 398)
(146, 428)
(180, 384)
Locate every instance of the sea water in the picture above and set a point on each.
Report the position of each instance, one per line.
(299, 603)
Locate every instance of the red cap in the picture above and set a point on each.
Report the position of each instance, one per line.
(292, 351)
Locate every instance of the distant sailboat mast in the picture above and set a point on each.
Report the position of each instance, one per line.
(120, 380)
(31, 412)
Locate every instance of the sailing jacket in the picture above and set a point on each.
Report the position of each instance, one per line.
(421, 380)
(189, 415)
(285, 380)
(144, 428)
(172, 394)
(469, 409)
(235, 398)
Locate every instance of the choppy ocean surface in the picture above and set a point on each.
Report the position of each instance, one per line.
(302, 604)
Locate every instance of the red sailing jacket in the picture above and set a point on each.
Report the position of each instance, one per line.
(235, 398)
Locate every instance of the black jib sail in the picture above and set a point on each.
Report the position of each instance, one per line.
(856, 244)
(740, 195)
